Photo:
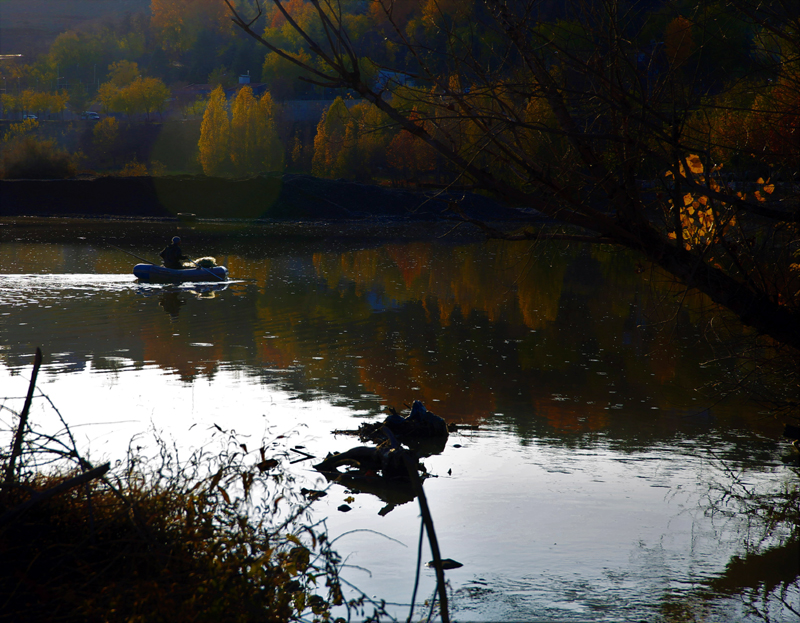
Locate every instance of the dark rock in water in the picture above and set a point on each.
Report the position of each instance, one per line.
(420, 424)
(344, 508)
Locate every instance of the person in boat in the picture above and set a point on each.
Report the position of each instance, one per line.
(173, 255)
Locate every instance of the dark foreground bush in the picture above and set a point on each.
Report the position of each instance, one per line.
(131, 550)
(29, 158)
(222, 536)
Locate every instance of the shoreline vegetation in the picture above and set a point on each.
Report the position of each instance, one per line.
(220, 536)
(225, 535)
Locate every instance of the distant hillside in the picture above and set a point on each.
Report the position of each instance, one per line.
(29, 26)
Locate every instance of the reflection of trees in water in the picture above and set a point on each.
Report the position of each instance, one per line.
(472, 330)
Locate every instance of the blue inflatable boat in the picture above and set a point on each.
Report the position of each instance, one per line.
(160, 274)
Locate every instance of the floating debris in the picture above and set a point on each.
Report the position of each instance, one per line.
(447, 563)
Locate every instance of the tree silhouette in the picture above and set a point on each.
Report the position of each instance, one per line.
(618, 115)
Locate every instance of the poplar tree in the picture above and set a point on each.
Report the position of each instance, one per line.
(255, 145)
(269, 150)
(330, 140)
(244, 111)
(215, 134)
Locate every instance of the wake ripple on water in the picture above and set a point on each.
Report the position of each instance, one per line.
(29, 289)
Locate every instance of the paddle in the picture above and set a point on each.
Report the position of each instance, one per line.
(129, 253)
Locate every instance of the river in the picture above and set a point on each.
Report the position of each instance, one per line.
(596, 477)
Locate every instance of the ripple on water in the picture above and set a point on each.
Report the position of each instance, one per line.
(18, 290)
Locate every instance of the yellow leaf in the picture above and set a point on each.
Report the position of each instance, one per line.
(668, 174)
(687, 199)
(672, 235)
(695, 164)
(769, 189)
(760, 180)
(704, 200)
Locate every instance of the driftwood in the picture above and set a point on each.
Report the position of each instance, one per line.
(16, 449)
(387, 460)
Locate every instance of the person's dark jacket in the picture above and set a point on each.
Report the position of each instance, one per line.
(172, 256)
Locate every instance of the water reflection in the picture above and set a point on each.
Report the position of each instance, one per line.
(586, 401)
(480, 329)
(171, 302)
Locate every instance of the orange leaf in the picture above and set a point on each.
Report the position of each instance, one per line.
(695, 164)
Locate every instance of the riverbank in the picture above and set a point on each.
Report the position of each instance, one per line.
(270, 197)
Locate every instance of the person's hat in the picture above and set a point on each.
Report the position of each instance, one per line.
(176, 240)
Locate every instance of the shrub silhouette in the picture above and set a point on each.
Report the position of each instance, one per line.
(30, 158)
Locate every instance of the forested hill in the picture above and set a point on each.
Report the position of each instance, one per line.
(29, 27)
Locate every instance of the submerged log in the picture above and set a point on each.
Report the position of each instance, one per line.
(383, 458)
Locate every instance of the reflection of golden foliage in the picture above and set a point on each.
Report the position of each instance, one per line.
(411, 259)
(663, 358)
(259, 270)
(36, 258)
(468, 280)
(567, 416)
(187, 361)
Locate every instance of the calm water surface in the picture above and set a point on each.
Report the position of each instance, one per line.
(600, 482)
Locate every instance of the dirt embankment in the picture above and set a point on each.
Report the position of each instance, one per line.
(286, 197)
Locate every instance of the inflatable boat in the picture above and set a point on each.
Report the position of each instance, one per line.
(153, 273)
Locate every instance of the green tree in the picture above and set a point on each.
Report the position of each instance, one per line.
(215, 134)
(123, 73)
(129, 93)
(150, 95)
(283, 75)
